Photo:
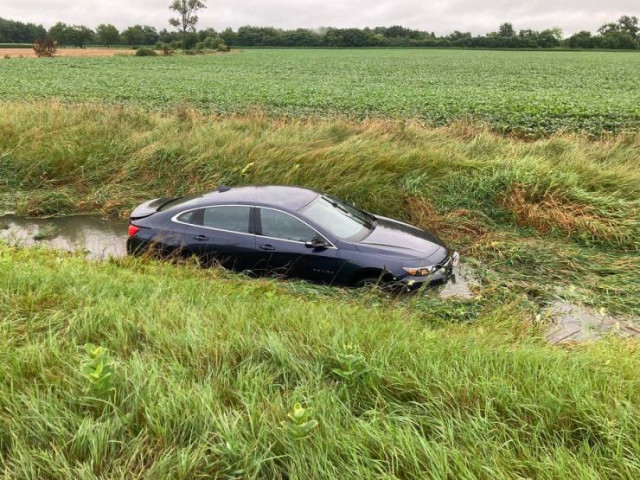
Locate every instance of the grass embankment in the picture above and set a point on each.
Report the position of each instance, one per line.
(555, 218)
(202, 372)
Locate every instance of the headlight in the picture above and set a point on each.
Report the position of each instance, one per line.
(420, 271)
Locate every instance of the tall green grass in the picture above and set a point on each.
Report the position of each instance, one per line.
(558, 217)
(148, 370)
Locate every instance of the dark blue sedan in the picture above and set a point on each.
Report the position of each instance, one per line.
(291, 231)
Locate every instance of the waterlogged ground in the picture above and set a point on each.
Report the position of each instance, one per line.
(97, 237)
(101, 238)
(576, 323)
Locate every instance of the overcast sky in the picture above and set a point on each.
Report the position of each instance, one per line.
(441, 16)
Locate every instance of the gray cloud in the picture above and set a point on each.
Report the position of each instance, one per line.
(441, 16)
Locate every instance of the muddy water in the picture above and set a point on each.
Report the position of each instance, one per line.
(577, 323)
(98, 237)
(460, 286)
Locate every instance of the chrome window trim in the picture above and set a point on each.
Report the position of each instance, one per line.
(175, 220)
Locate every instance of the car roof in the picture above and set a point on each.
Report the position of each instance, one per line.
(283, 197)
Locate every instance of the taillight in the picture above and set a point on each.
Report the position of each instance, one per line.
(133, 230)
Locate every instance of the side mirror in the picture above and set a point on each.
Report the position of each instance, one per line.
(316, 243)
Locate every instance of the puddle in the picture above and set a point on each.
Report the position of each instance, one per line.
(98, 237)
(461, 289)
(576, 323)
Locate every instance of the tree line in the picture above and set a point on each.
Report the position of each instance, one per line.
(621, 34)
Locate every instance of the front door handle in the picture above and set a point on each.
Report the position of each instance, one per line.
(267, 247)
(201, 238)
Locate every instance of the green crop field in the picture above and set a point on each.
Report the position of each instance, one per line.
(531, 93)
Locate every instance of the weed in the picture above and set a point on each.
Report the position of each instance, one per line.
(299, 423)
(98, 371)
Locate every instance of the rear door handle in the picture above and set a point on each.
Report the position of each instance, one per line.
(267, 247)
(201, 237)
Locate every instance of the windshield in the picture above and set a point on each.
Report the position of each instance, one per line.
(350, 209)
(342, 220)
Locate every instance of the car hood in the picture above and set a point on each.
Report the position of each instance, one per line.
(395, 238)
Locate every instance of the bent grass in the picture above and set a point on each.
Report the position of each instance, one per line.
(154, 370)
(542, 217)
(217, 376)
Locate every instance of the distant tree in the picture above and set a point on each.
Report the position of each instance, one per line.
(624, 33)
(549, 38)
(506, 30)
(150, 35)
(209, 32)
(167, 36)
(528, 34)
(229, 36)
(617, 40)
(210, 43)
(625, 24)
(458, 35)
(76, 35)
(629, 25)
(140, 35)
(107, 34)
(18, 32)
(582, 39)
(187, 11)
(301, 37)
(259, 36)
(60, 33)
(396, 31)
(79, 35)
(608, 28)
(189, 40)
(351, 37)
(621, 34)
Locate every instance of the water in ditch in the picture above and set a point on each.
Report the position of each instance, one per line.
(97, 237)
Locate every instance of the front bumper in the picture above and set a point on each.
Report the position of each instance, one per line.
(442, 275)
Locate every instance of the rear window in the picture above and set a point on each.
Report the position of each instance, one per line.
(175, 202)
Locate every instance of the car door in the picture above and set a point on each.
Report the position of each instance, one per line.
(281, 249)
(220, 233)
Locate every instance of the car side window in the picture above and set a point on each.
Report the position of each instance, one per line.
(277, 224)
(191, 217)
(234, 219)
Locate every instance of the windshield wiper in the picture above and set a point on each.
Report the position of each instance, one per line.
(365, 222)
(374, 220)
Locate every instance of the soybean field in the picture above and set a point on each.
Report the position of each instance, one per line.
(529, 93)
